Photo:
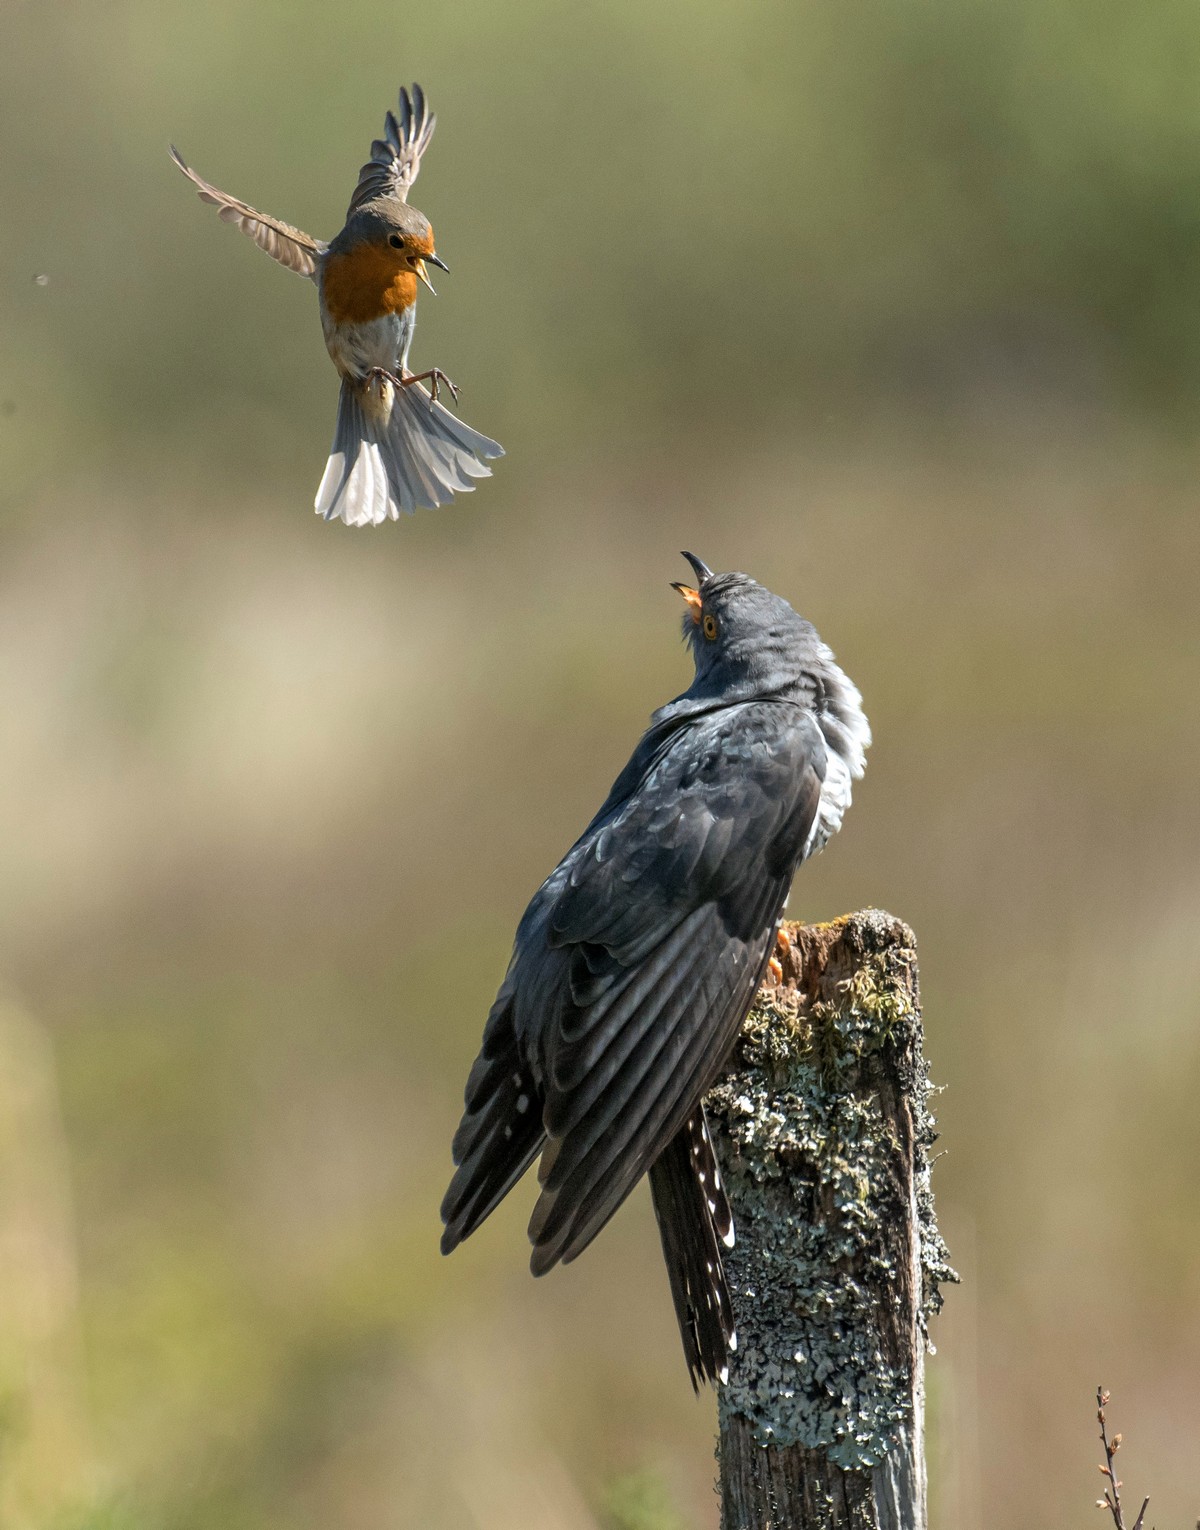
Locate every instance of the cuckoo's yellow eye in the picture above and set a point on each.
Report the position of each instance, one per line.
(710, 626)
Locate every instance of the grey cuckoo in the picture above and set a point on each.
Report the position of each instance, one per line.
(640, 954)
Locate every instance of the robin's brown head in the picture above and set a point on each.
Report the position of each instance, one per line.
(397, 235)
(409, 240)
(374, 264)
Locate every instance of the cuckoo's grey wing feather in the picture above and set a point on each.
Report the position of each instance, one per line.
(396, 157)
(725, 799)
(290, 246)
(601, 1156)
(501, 1130)
(668, 915)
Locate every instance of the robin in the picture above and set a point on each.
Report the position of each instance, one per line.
(640, 955)
(395, 446)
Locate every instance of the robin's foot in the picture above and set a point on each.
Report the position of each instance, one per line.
(436, 378)
(783, 941)
(774, 974)
(383, 375)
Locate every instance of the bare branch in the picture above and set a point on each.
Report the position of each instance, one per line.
(1112, 1493)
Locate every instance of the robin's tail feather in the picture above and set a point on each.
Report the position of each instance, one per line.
(415, 455)
(696, 1225)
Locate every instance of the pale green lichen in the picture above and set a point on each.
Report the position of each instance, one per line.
(809, 1150)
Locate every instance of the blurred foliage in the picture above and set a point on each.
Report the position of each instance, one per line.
(639, 1501)
(893, 305)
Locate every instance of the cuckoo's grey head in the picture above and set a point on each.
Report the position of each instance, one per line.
(748, 643)
(744, 639)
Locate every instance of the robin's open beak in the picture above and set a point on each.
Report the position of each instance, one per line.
(692, 597)
(434, 260)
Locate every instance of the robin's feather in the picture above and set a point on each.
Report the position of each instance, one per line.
(396, 157)
(366, 282)
(291, 247)
(412, 455)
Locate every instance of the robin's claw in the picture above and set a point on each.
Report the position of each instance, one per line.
(435, 378)
(381, 374)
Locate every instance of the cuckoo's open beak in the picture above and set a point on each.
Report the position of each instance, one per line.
(692, 597)
(701, 570)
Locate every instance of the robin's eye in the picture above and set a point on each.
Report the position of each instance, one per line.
(396, 242)
(710, 626)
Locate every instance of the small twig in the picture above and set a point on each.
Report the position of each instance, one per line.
(1112, 1493)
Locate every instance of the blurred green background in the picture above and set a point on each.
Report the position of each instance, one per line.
(895, 305)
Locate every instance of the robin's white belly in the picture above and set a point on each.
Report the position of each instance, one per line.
(382, 342)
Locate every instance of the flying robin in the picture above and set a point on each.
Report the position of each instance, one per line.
(395, 446)
(640, 954)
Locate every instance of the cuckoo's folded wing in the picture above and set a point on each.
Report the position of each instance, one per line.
(668, 916)
(728, 801)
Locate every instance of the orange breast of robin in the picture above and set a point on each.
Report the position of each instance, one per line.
(365, 283)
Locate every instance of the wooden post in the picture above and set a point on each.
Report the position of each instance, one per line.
(822, 1129)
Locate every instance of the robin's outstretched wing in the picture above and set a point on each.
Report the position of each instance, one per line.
(289, 246)
(396, 157)
(668, 918)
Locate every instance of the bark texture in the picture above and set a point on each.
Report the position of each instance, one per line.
(822, 1129)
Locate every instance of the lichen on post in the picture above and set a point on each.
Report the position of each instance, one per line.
(823, 1129)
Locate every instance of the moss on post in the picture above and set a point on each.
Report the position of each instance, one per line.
(822, 1128)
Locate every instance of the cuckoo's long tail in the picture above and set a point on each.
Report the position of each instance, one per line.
(696, 1226)
(395, 450)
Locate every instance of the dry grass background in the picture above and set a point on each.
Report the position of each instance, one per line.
(896, 309)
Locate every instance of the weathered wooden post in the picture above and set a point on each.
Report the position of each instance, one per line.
(822, 1129)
